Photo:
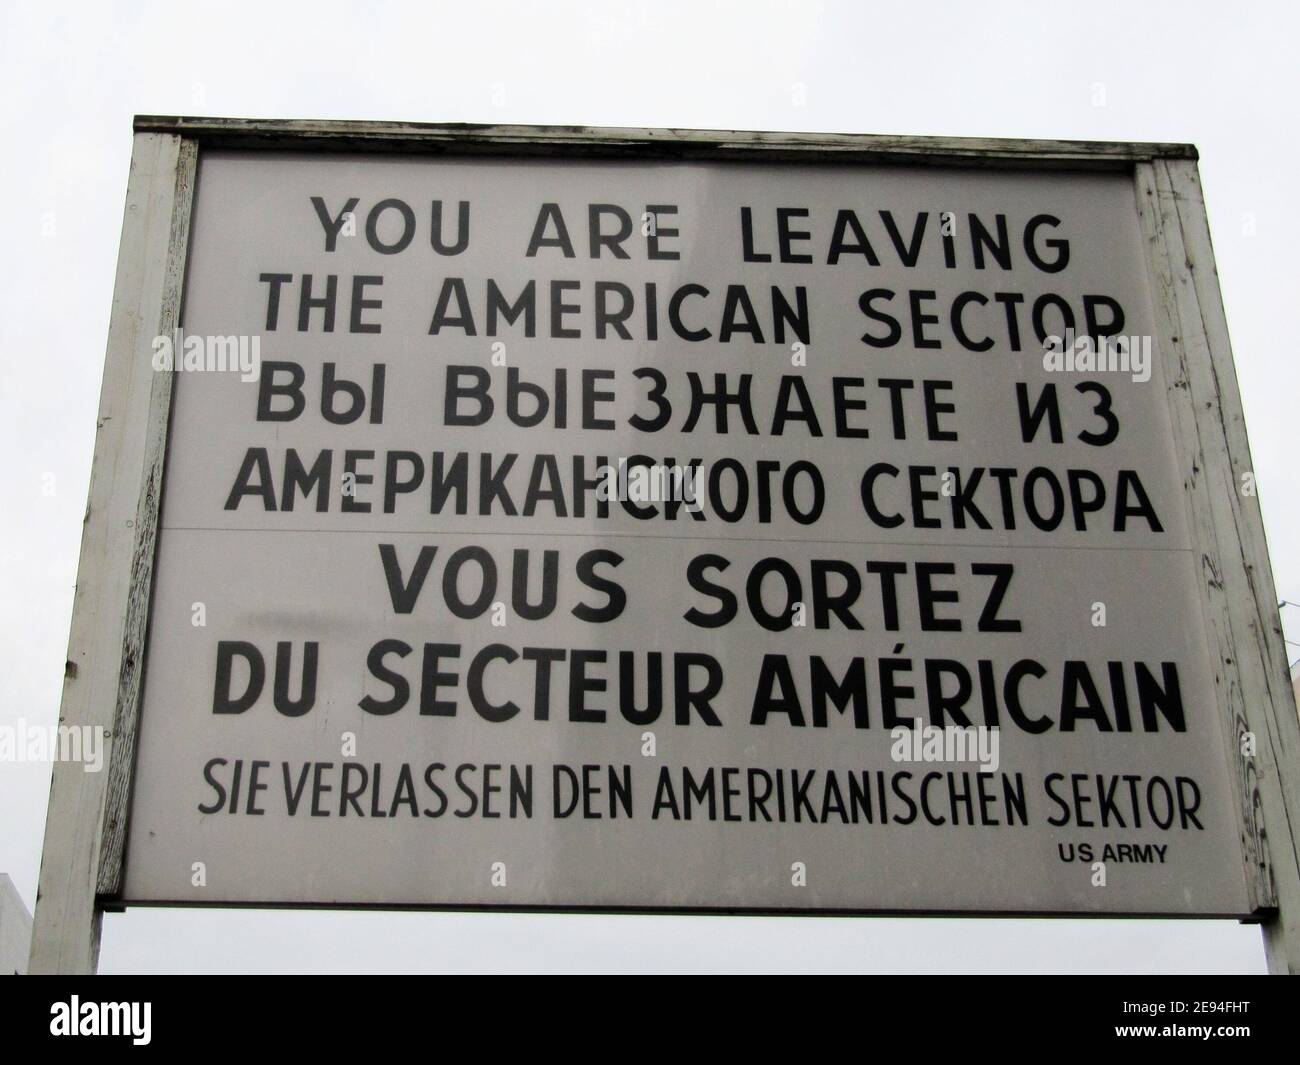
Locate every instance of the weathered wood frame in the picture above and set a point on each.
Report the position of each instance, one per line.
(1240, 606)
(81, 865)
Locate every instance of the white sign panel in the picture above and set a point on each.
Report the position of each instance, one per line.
(572, 533)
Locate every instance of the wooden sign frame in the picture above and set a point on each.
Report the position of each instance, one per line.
(81, 868)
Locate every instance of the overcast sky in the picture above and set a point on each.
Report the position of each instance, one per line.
(1220, 75)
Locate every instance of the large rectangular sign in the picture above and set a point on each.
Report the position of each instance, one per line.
(591, 533)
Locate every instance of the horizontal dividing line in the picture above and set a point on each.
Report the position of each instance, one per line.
(667, 536)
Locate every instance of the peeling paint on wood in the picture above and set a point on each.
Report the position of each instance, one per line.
(577, 141)
(102, 674)
(1252, 683)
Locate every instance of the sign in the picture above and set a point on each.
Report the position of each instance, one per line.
(696, 535)
(531, 518)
